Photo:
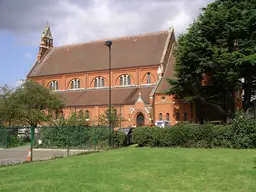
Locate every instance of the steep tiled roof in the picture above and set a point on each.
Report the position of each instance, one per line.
(163, 84)
(95, 97)
(130, 51)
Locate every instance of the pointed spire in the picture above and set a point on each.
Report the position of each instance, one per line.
(47, 32)
(46, 42)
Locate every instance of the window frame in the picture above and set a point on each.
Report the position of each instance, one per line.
(167, 117)
(54, 85)
(125, 80)
(177, 116)
(148, 78)
(99, 82)
(185, 114)
(160, 117)
(75, 83)
(87, 114)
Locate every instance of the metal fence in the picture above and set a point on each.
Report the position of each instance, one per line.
(49, 142)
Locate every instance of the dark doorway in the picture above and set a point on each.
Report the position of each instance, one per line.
(140, 120)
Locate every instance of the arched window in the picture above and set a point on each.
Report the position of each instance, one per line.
(75, 84)
(96, 82)
(167, 116)
(87, 114)
(61, 114)
(80, 113)
(185, 116)
(99, 82)
(125, 80)
(121, 80)
(148, 76)
(160, 116)
(128, 80)
(54, 85)
(177, 116)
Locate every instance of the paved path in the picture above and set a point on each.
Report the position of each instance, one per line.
(20, 154)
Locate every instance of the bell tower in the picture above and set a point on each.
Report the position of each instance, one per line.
(46, 42)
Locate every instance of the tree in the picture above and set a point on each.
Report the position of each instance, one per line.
(8, 105)
(75, 119)
(220, 44)
(116, 119)
(31, 104)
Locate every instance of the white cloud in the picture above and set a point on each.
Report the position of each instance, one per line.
(74, 21)
(19, 83)
(98, 21)
(180, 22)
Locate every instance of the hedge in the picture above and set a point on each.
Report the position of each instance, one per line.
(78, 137)
(9, 137)
(241, 134)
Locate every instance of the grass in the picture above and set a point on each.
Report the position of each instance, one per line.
(137, 169)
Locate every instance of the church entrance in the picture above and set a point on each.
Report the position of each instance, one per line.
(140, 121)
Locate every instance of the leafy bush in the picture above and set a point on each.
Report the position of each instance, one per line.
(3, 133)
(222, 136)
(240, 134)
(9, 137)
(120, 139)
(73, 136)
(181, 135)
(244, 131)
(14, 141)
(146, 136)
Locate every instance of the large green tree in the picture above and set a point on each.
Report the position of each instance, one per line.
(7, 105)
(29, 104)
(220, 43)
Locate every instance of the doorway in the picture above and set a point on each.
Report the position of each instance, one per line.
(140, 121)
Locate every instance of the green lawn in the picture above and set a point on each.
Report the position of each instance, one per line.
(137, 169)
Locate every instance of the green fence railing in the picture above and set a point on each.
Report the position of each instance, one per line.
(65, 138)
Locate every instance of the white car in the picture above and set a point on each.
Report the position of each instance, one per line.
(26, 131)
(162, 123)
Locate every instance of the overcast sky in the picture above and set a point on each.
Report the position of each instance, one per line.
(82, 20)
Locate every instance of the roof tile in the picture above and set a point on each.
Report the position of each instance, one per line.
(95, 97)
(130, 51)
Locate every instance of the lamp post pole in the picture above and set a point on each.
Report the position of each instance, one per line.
(108, 43)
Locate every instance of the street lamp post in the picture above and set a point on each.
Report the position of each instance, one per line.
(108, 43)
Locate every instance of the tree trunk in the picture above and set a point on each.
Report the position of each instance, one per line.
(247, 92)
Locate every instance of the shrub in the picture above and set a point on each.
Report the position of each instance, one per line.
(187, 135)
(147, 136)
(74, 136)
(222, 136)
(240, 134)
(244, 131)
(9, 137)
(14, 141)
(120, 139)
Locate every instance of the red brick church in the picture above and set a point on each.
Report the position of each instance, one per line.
(140, 66)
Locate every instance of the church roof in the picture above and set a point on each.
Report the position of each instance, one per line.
(163, 84)
(93, 97)
(129, 51)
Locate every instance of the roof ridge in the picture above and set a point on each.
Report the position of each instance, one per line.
(145, 34)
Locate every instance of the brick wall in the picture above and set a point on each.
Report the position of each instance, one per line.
(87, 78)
(138, 77)
(165, 105)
